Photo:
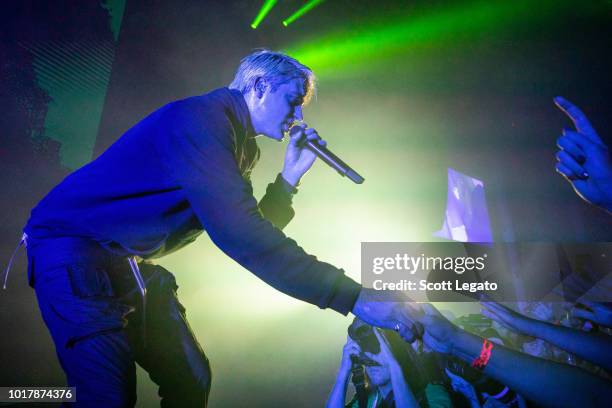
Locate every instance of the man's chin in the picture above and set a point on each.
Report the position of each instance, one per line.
(278, 136)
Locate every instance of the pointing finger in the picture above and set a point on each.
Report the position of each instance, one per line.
(582, 313)
(580, 120)
(569, 146)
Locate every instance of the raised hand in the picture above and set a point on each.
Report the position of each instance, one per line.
(459, 384)
(298, 158)
(583, 158)
(351, 348)
(435, 329)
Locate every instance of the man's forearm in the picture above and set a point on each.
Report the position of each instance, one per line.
(546, 382)
(291, 177)
(275, 205)
(592, 347)
(404, 398)
(338, 394)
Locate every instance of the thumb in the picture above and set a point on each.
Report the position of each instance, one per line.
(295, 136)
(582, 313)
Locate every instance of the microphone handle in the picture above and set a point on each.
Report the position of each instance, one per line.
(334, 162)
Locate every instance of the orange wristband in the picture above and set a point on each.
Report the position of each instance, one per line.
(481, 361)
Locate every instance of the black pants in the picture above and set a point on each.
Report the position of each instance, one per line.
(90, 303)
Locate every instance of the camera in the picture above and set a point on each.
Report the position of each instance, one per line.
(363, 334)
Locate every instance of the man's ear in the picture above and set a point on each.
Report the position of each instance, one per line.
(260, 87)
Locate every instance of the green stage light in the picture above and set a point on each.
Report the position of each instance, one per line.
(305, 9)
(356, 48)
(263, 12)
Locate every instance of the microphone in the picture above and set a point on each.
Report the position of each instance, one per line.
(328, 157)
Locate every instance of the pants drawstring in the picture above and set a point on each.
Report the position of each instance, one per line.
(23, 241)
(143, 293)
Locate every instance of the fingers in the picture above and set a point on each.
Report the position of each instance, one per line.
(450, 374)
(406, 333)
(594, 306)
(570, 167)
(381, 339)
(354, 350)
(569, 144)
(589, 304)
(582, 313)
(312, 135)
(580, 120)
(378, 335)
(351, 349)
(564, 171)
(303, 134)
(296, 136)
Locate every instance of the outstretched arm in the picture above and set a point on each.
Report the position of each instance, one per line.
(338, 394)
(545, 382)
(593, 347)
(201, 159)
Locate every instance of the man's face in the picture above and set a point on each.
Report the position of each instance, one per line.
(275, 110)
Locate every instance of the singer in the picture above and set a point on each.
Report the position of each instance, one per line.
(183, 169)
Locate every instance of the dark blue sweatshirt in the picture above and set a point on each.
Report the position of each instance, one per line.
(183, 169)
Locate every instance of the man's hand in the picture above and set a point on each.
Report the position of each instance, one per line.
(459, 384)
(351, 348)
(439, 333)
(298, 158)
(389, 311)
(599, 313)
(584, 160)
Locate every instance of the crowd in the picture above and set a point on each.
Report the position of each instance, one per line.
(545, 355)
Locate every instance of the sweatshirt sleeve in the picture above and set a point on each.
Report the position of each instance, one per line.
(198, 151)
(275, 205)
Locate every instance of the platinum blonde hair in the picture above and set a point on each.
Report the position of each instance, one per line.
(276, 68)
